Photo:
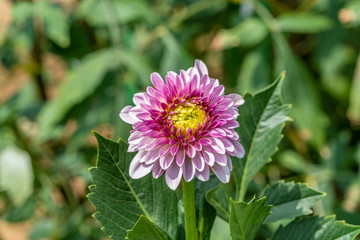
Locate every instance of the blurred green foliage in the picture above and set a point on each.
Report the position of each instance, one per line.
(70, 66)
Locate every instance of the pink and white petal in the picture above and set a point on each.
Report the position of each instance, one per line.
(231, 124)
(157, 171)
(157, 81)
(229, 162)
(180, 157)
(188, 169)
(173, 176)
(208, 156)
(126, 117)
(137, 169)
(184, 76)
(239, 149)
(175, 149)
(217, 145)
(198, 161)
(138, 98)
(151, 145)
(190, 150)
(221, 172)
(164, 150)
(133, 147)
(220, 159)
(238, 100)
(142, 155)
(229, 147)
(166, 160)
(135, 137)
(197, 146)
(204, 175)
(152, 156)
(201, 67)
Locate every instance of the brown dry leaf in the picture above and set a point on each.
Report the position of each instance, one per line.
(14, 231)
(56, 67)
(5, 18)
(106, 130)
(11, 82)
(68, 6)
(79, 187)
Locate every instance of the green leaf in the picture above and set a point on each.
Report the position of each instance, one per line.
(316, 228)
(243, 34)
(293, 161)
(261, 120)
(56, 25)
(22, 12)
(121, 11)
(78, 84)
(354, 106)
(16, 174)
(250, 79)
(290, 200)
(299, 89)
(120, 200)
(263, 115)
(304, 22)
(144, 229)
(247, 218)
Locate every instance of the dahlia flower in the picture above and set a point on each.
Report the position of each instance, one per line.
(183, 127)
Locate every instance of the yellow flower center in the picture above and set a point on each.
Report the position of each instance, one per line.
(187, 116)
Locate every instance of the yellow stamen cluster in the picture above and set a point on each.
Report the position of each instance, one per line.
(187, 116)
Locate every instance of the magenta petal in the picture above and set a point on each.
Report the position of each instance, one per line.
(180, 157)
(173, 176)
(126, 117)
(188, 169)
(222, 172)
(204, 175)
(137, 169)
(165, 161)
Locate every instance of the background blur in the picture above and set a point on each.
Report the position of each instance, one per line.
(68, 67)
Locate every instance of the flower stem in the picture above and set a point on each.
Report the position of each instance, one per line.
(189, 208)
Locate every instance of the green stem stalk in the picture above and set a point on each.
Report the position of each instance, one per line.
(189, 208)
